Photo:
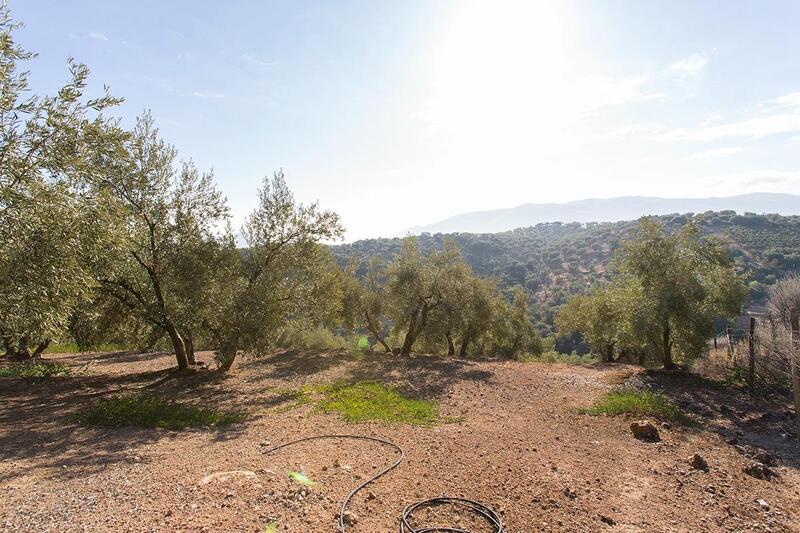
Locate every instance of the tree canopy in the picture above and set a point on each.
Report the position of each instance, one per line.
(667, 292)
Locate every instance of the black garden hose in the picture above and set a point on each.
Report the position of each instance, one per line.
(405, 526)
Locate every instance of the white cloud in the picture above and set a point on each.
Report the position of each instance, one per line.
(255, 62)
(208, 94)
(715, 152)
(628, 130)
(97, 36)
(784, 118)
(787, 100)
(692, 65)
(777, 180)
(754, 128)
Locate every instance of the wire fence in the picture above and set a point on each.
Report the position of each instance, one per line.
(768, 350)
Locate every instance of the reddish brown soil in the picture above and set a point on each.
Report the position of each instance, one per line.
(522, 448)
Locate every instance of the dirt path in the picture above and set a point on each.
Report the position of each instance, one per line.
(521, 447)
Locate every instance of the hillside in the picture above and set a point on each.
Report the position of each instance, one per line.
(553, 260)
(608, 210)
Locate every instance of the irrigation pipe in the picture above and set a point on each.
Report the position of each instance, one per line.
(477, 508)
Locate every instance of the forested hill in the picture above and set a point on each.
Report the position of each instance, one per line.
(555, 260)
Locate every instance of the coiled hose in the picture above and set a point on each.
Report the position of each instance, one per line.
(491, 517)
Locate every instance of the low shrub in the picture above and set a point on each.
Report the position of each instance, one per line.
(151, 411)
(35, 370)
(312, 339)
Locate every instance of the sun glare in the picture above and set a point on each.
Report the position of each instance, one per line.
(498, 75)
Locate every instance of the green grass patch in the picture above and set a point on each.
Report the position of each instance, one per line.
(71, 347)
(150, 411)
(35, 370)
(375, 401)
(640, 403)
(363, 401)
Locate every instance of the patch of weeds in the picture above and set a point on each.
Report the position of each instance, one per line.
(272, 527)
(152, 411)
(35, 370)
(737, 377)
(71, 347)
(640, 403)
(375, 401)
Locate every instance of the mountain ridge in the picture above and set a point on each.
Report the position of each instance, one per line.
(607, 210)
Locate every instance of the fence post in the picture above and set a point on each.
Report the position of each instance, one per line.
(730, 342)
(751, 345)
(715, 341)
(794, 355)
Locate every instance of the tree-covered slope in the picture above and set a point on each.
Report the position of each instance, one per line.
(554, 260)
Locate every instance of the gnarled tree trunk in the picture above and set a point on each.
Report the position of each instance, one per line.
(373, 328)
(464, 344)
(188, 344)
(178, 346)
(666, 347)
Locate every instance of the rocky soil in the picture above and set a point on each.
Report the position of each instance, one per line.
(513, 439)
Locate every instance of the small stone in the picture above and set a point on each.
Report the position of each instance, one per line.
(698, 462)
(349, 518)
(759, 471)
(371, 495)
(732, 441)
(763, 504)
(607, 520)
(644, 430)
(765, 458)
(569, 493)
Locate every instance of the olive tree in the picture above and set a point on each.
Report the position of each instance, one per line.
(364, 300)
(50, 148)
(167, 219)
(513, 332)
(283, 274)
(466, 309)
(684, 283)
(595, 316)
(415, 289)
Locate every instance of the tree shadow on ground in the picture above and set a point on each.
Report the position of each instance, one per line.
(38, 427)
(109, 357)
(433, 375)
(755, 422)
(293, 363)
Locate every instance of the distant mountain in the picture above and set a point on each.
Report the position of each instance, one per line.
(608, 210)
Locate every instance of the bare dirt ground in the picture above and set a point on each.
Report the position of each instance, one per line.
(520, 447)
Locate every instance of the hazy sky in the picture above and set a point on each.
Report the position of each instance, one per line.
(398, 113)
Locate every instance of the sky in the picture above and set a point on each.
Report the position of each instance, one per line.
(401, 113)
